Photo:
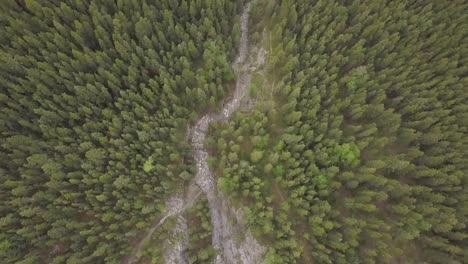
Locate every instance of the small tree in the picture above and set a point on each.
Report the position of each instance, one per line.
(148, 166)
(226, 185)
(256, 155)
(348, 154)
(253, 90)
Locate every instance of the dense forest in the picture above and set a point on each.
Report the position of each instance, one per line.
(357, 150)
(95, 100)
(351, 146)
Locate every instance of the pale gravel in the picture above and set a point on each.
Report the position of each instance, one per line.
(248, 250)
(225, 219)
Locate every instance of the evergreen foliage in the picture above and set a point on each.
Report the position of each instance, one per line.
(367, 150)
(95, 100)
(357, 154)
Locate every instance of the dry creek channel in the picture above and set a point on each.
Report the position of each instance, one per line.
(225, 220)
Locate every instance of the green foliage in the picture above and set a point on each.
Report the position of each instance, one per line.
(321, 181)
(347, 154)
(351, 85)
(256, 156)
(148, 166)
(362, 153)
(226, 185)
(273, 258)
(253, 90)
(367, 137)
(89, 91)
(200, 231)
(4, 247)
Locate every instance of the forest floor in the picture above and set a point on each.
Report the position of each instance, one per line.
(226, 221)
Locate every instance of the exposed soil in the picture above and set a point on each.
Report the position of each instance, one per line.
(225, 220)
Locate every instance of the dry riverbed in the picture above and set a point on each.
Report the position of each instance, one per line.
(225, 219)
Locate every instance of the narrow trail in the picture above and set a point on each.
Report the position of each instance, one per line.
(174, 206)
(178, 245)
(222, 214)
